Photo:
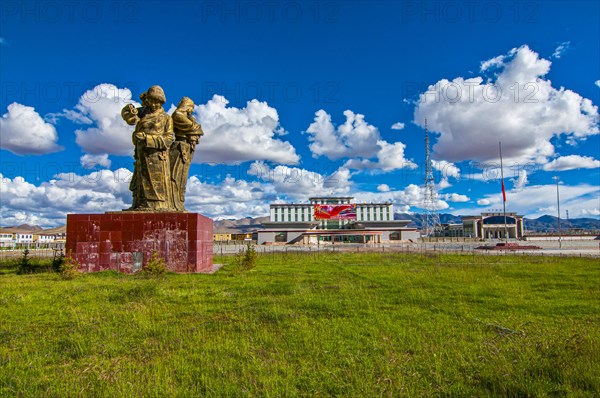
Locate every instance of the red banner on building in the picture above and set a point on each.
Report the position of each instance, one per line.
(335, 212)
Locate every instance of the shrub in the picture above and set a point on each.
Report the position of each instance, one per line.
(155, 266)
(25, 266)
(69, 268)
(57, 261)
(246, 259)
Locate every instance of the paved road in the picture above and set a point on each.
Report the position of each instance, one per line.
(569, 248)
(548, 248)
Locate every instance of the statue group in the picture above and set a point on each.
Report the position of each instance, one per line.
(163, 150)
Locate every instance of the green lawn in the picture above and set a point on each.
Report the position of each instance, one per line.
(362, 325)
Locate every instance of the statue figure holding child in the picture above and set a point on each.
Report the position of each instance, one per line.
(163, 149)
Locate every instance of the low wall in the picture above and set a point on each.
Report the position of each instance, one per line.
(549, 238)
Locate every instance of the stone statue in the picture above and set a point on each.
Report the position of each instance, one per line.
(187, 135)
(152, 139)
(164, 148)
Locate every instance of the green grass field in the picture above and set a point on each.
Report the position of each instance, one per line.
(358, 325)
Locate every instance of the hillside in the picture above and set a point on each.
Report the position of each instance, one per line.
(544, 223)
(549, 223)
(417, 221)
(240, 226)
(22, 229)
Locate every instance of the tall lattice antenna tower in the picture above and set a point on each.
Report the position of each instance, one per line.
(431, 218)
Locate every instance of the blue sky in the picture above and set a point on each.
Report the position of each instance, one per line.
(305, 98)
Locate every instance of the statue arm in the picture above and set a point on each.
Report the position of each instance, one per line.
(169, 131)
(187, 124)
(181, 122)
(130, 114)
(162, 141)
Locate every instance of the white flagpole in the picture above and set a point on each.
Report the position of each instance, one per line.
(503, 194)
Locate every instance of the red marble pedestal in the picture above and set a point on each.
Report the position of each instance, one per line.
(119, 240)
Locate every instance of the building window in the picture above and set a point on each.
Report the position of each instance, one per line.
(281, 237)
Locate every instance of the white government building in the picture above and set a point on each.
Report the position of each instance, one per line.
(491, 225)
(361, 223)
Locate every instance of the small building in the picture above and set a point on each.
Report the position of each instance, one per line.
(7, 240)
(44, 239)
(451, 230)
(492, 225)
(242, 236)
(221, 237)
(60, 237)
(23, 238)
(334, 219)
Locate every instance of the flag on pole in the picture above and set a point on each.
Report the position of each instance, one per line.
(503, 192)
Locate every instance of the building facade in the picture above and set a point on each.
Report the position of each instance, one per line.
(6, 240)
(492, 225)
(44, 239)
(301, 213)
(357, 222)
(23, 238)
(451, 231)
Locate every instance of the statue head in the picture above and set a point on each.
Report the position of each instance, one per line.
(186, 105)
(155, 98)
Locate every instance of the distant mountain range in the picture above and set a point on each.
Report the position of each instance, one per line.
(549, 223)
(32, 229)
(240, 226)
(245, 225)
(541, 224)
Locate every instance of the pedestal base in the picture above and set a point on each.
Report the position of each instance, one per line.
(123, 241)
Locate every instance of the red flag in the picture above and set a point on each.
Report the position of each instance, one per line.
(503, 192)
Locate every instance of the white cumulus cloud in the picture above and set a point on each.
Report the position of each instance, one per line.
(300, 183)
(455, 197)
(234, 135)
(572, 162)
(517, 106)
(49, 202)
(101, 108)
(536, 200)
(403, 199)
(354, 138)
(357, 140)
(24, 132)
(92, 161)
(446, 169)
(521, 180)
(591, 212)
(230, 198)
(398, 126)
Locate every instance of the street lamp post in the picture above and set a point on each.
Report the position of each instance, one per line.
(558, 211)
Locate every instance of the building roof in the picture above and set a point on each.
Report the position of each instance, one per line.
(331, 197)
(312, 204)
(291, 224)
(338, 232)
(291, 204)
(380, 224)
(486, 215)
